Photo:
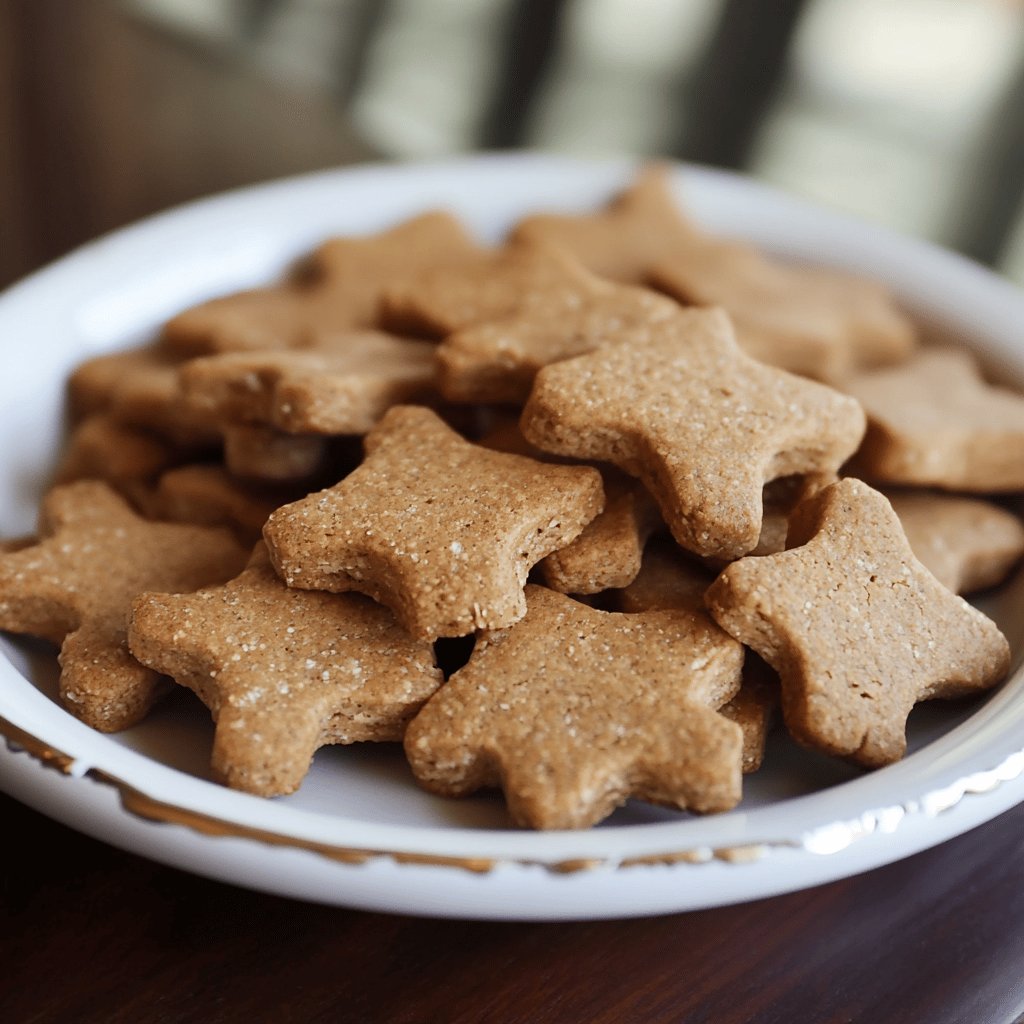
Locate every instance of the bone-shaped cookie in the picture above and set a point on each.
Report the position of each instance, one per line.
(858, 630)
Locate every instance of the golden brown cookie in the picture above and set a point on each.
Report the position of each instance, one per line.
(639, 227)
(284, 671)
(342, 386)
(669, 579)
(210, 496)
(75, 588)
(809, 320)
(256, 452)
(857, 628)
(128, 458)
(935, 422)
(703, 425)
(505, 318)
(572, 711)
(339, 289)
(608, 552)
(965, 543)
(139, 388)
(442, 531)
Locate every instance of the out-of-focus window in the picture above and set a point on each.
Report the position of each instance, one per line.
(906, 112)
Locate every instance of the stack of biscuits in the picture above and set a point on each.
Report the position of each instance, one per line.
(667, 489)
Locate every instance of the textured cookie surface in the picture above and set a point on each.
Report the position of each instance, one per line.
(817, 322)
(139, 388)
(75, 587)
(812, 321)
(209, 495)
(342, 386)
(442, 531)
(339, 289)
(502, 320)
(857, 628)
(935, 422)
(669, 579)
(967, 544)
(639, 227)
(700, 423)
(284, 671)
(608, 553)
(572, 711)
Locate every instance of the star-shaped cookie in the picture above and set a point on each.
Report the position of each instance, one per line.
(965, 543)
(139, 388)
(573, 710)
(669, 579)
(505, 318)
(936, 422)
(343, 385)
(339, 289)
(639, 227)
(284, 671)
(442, 531)
(703, 425)
(809, 320)
(75, 588)
(858, 630)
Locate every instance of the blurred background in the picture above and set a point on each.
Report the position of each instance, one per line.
(905, 112)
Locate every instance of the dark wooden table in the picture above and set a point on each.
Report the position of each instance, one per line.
(103, 122)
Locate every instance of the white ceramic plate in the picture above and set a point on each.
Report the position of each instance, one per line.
(359, 833)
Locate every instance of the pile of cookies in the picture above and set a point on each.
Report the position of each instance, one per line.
(632, 465)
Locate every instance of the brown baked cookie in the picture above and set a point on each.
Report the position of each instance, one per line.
(342, 386)
(608, 552)
(965, 543)
(442, 531)
(8, 545)
(210, 496)
(284, 671)
(75, 588)
(139, 388)
(504, 318)
(128, 458)
(339, 289)
(808, 320)
(641, 226)
(260, 453)
(572, 711)
(669, 579)
(703, 425)
(935, 422)
(857, 628)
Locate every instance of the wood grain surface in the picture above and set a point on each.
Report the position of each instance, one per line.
(91, 934)
(104, 122)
